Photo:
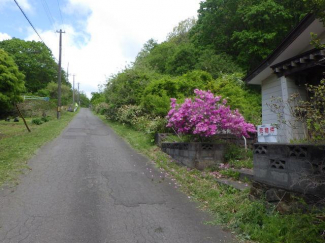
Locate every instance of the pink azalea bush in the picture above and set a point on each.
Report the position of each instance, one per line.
(207, 115)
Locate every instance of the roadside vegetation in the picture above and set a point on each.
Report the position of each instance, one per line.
(252, 220)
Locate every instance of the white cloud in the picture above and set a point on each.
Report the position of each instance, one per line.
(76, 7)
(25, 5)
(114, 32)
(4, 36)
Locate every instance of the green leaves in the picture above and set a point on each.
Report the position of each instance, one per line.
(156, 96)
(51, 90)
(34, 60)
(11, 82)
(247, 30)
(246, 99)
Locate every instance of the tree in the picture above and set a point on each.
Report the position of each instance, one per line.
(97, 97)
(51, 90)
(126, 87)
(84, 100)
(35, 60)
(217, 20)
(182, 60)
(247, 30)
(180, 33)
(160, 54)
(141, 59)
(11, 82)
(317, 7)
(265, 24)
(216, 64)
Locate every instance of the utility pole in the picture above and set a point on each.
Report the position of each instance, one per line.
(59, 76)
(78, 95)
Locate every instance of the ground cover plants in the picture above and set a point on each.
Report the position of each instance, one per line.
(17, 145)
(238, 157)
(251, 220)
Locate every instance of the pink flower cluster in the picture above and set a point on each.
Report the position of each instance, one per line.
(206, 115)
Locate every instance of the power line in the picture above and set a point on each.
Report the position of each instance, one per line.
(60, 11)
(48, 12)
(32, 26)
(29, 21)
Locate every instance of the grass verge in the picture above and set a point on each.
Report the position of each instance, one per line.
(17, 145)
(251, 220)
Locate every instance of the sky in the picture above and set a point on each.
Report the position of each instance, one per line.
(101, 36)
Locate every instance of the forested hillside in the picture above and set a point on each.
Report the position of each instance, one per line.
(213, 52)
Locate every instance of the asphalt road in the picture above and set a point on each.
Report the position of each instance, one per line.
(89, 186)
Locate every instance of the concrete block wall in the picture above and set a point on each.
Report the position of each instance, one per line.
(297, 168)
(161, 137)
(195, 155)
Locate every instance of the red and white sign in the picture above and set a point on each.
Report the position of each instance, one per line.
(267, 133)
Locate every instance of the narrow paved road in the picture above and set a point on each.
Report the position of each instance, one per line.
(89, 186)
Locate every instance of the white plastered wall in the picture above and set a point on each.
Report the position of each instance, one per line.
(283, 87)
(293, 130)
(271, 87)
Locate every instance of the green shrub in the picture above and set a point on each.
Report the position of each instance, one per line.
(155, 125)
(45, 119)
(101, 108)
(239, 96)
(127, 114)
(156, 96)
(37, 121)
(111, 113)
(134, 116)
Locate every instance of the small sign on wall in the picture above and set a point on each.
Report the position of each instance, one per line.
(267, 133)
